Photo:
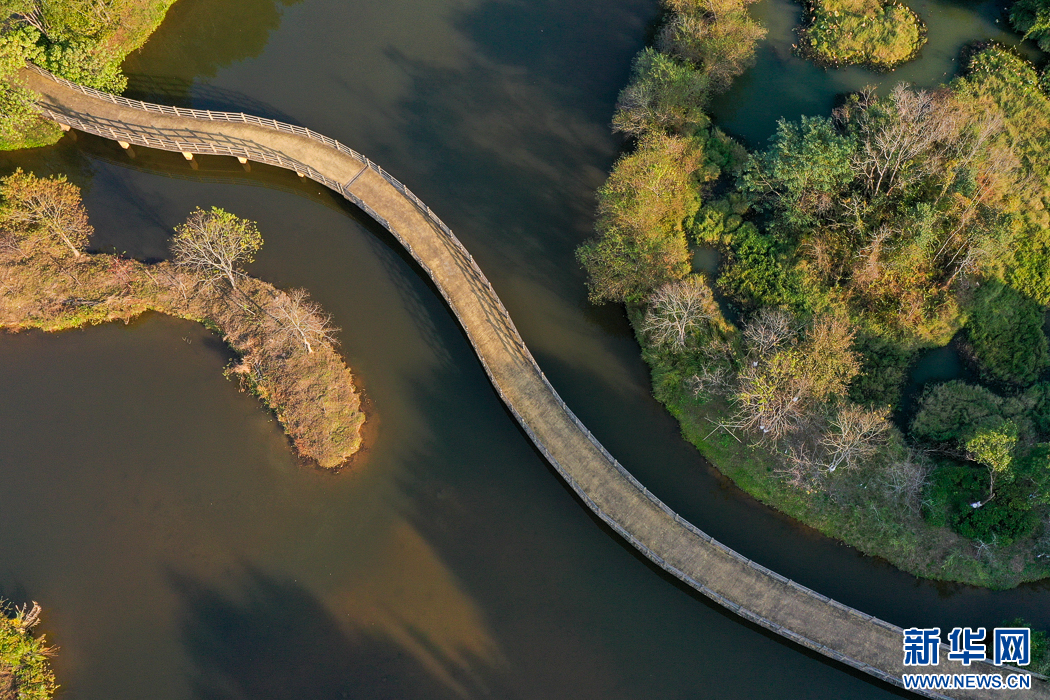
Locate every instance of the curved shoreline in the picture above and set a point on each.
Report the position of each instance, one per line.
(727, 577)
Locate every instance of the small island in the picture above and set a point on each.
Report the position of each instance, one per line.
(872, 33)
(284, 342)
(850, 246)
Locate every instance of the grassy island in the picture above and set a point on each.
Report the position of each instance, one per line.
(82, 40)
(851, 245)
(879, 35)
(25, 673)
(284, 342)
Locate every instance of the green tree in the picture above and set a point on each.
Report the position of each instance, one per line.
(1032, 17)
(1006, 334)
(19, 122)
(641, 241)
(993, 446)
(950, 411)
(216, 243)
(807, 166)
(663, 94)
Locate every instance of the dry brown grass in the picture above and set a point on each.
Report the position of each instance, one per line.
(312, 393)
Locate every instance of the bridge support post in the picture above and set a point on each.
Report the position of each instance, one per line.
(242, 160)
(124, 144)
(187, 156)
(64, 127)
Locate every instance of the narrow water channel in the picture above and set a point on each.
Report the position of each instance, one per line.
(181, 552)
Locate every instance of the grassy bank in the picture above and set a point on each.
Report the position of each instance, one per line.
(871, 33)
(853, 510)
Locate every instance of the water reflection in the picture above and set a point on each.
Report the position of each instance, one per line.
(264, 636)
(198, 37)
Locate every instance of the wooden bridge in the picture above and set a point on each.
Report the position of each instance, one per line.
(747, 588)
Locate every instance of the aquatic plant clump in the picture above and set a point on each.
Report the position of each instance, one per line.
(862, 32)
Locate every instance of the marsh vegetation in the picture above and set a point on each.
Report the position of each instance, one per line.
(851, 244)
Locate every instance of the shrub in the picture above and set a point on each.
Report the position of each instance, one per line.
(663, 94)
(1006, 335)
(641, 209)
(753, 273)
(951, 411)
(884, 369)
(717, 36)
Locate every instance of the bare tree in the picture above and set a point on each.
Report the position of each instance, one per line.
(301, 319)
(786, 378)
(912, 131)
(768, 330)
(854, 435)
(49, 207)
(905, 478)
(677, 310)
(216, 243)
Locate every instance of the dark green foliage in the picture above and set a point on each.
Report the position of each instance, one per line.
(996, 522)
(1040, 649)
(1039, 396)
(1006, 334)
(1032, 17)
(1007, 481)
(753, 274)
(805, 166)
(951, 412)
(956, 486)
(884, 369)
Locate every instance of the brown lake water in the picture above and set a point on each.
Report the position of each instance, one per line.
(179, 549)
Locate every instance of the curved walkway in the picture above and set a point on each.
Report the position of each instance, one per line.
(748, 589)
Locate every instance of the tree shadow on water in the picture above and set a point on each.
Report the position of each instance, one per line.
(272, 639)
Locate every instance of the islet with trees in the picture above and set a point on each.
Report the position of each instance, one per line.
(851, 244)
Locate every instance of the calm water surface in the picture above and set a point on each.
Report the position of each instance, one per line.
(182, 553)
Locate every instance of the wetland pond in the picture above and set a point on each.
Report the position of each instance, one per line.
(157, 513)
